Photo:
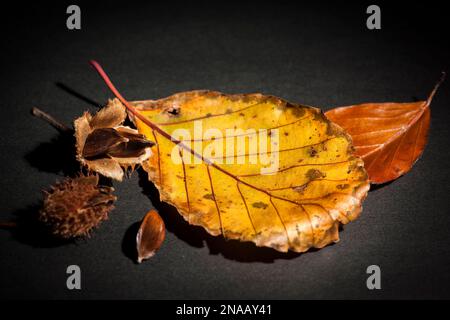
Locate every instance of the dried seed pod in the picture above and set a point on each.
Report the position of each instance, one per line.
(105, 146)
(150, 236)
(73, 207)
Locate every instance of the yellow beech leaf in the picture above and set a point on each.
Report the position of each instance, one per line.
(292, 196)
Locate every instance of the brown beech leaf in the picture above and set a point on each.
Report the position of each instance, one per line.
(389, 137)
(150, 236)
(295, 202)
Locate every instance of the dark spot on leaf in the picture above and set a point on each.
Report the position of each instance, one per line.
(174, 111)
(312, 152)
(209, 196)
(342, 186)
(313, 174)
(260, 205)
(296, 110)
(300, 189)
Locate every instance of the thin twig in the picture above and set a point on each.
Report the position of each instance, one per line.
(48, 118)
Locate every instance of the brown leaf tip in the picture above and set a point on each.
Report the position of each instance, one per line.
(436, 87)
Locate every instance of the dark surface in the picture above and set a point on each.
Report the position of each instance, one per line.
(320, 55)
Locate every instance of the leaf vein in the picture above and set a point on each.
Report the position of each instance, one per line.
(246, 207)
(215, 200)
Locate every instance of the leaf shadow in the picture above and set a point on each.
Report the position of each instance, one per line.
(32, 232)
(197, 237)
(58, 155)
(55, 156)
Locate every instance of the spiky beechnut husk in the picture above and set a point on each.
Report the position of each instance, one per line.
(73, 207)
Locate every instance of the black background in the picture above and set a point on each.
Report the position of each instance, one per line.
(316, 54)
